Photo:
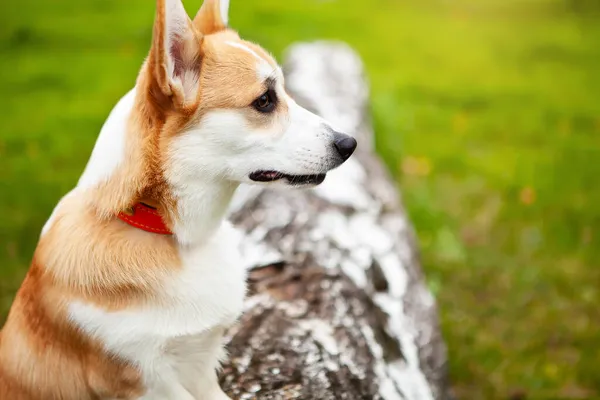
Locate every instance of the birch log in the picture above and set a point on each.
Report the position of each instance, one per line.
(337, 307)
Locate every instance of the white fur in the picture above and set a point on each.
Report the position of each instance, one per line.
(177, 345)
(109, 150)
(224, 9)
(265, 70)
(176, 341)
(108, 153)
(224, 148)
(245, 48)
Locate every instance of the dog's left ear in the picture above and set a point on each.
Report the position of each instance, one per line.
(212, 16)
(174, 59)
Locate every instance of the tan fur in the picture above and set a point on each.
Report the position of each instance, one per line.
(209, 19)
(43, 356)
(110, 264)
(218, 90)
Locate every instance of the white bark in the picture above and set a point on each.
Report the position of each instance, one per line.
(338, 308)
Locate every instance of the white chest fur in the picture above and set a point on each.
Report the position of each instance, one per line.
(182, 332)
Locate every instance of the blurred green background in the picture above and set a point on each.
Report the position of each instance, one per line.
(487, 112)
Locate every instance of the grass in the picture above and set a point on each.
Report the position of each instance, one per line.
(488, 113)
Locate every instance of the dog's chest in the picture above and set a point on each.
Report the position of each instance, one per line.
(213, 280)
(207, 293)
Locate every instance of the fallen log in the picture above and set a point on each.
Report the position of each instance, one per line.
(337, 307)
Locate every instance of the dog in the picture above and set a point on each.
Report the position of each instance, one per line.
(135, 277)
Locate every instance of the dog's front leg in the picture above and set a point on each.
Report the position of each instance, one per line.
(199, 373)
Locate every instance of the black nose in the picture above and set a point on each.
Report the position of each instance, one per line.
(344, 144)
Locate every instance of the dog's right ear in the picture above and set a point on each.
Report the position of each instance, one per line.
(174, 60)
(212, 16)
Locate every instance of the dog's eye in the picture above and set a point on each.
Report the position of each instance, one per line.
(266, 102)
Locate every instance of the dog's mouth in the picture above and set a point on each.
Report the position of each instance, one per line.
(272, 176)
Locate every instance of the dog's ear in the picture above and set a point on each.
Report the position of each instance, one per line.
(174, 59)
(212, 16)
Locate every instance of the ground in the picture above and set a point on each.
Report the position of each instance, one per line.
(488, 114)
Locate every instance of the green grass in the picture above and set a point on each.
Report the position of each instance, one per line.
(488, 113)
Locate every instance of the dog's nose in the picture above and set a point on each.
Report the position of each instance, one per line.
(344, 144)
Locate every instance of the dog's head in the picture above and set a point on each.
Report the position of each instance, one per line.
(225, 109)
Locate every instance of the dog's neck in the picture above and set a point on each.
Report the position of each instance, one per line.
(195, 211)
(201, 208)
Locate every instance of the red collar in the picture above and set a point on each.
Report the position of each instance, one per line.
(145, 218)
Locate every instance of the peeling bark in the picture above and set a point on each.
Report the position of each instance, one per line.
(337, 308)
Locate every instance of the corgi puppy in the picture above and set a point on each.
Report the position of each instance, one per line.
(136, 275)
